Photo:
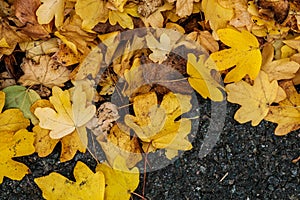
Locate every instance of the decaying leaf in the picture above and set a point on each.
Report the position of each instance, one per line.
(201, 79)
(22, 98)
(156, 126)
(255, 100)
(47, 72)
(127, 180)
(14, 145)
(106, 115)
(205, 39)
(120, 143)
(278, 69)
(287, 113)
(244, 54)
(35, 49)
(25, 12)
(184, 7)
(87, 185)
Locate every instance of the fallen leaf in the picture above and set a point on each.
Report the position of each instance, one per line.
(156, 126)
(51, 9)
(10, 37)
(217, 15)
(67, 116)
(127, 180)
(159, 48)
(47, 72)
(35, 49)
(91, 12)
(120, 143)
(281, 69)
(14, 145)
(44, 145)
(105, 117)
(244, 54)
(255, 100)
(184, 8)
(25, 12)
(204, 39)
(156, 19)
(287, 113)
(11, 120)
(201, 79)
(122, 17)
(87, 185)
(22, 98)
(75, 37)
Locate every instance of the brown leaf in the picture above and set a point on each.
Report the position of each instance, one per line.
(25, 12)
(48, 73)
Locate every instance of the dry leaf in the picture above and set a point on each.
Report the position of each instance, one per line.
(48, 73)
(25, 12)
(287, 113)
(67, 116)
(119, 180)
(204, 39)
(244, 54)
(91, 12)
(87, 185)
(14, 145)
(184, 8)
(217, 15)
(156, 126)
(120, 143)
(106, 115)
(255, 100)
(201, 79)
(51, 9)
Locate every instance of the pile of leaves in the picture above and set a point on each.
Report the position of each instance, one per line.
(57, 82)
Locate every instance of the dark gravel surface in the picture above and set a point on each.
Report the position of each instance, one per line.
(247, 163)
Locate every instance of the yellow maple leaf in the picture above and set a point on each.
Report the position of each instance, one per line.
(14, 145)
(217, 15)
(67, 116)
(88, 185)
(47, 72)
(11, 119)
(201, 79)
(123, 18)
(91, 12)
(244, 54)
(44, 144)
(119, 180)
(255, 100)
(119, 142)
(50, 9)
(287, 113)
(156, 126)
